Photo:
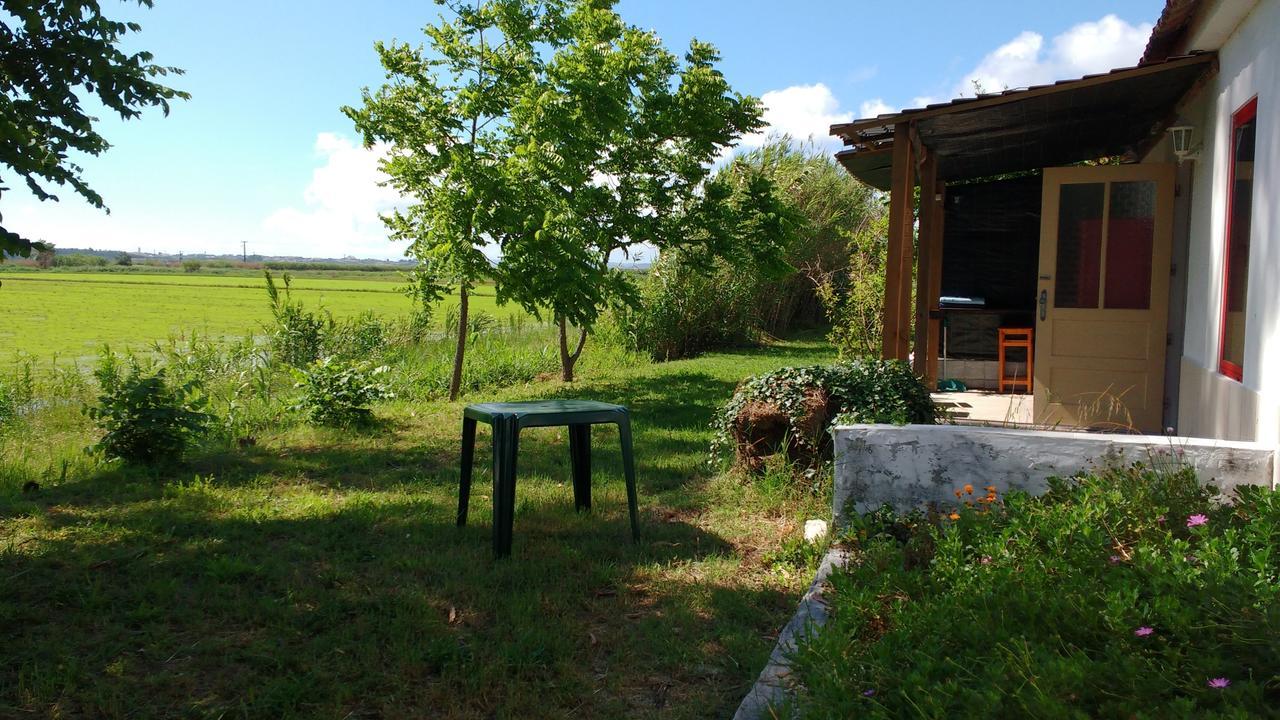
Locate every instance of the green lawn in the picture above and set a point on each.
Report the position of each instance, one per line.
(320, 574)
(72, 314)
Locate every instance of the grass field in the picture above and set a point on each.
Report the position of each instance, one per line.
(319, 573)
(72, 314)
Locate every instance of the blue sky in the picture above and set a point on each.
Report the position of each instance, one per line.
(262, 153)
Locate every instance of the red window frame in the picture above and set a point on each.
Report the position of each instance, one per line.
(1247, 112)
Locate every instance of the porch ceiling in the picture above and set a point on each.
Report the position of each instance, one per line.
(1120, 113)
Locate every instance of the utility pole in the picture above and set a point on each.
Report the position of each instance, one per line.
(244, 251)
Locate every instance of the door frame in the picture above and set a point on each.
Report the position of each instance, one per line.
(1046, 408)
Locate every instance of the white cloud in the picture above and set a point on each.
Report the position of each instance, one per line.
(342, 206)
(802, 111)
(872, 108)
(1089, 47)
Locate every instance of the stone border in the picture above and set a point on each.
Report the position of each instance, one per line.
(773, 688)
(913, 466)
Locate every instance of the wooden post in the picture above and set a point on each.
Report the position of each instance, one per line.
(897, 284)
(924, 264)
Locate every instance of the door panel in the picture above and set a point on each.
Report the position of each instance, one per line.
(1105, 241)
(1116, 339)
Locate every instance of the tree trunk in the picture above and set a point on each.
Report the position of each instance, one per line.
(569, 359)
(455, 383)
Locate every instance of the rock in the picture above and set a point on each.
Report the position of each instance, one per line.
(815, 530)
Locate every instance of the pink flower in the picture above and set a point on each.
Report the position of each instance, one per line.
(985, 559)
(869, 693)
(1219, 683)
(1197, 520)
(1160, 519)
(1144, 631)
(1115, 559)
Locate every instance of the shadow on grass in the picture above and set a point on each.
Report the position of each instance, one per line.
(320, 574)
(370, 606)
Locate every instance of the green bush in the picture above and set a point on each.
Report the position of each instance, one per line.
(859, 391)
(298, 335)
(338, 393)
(191, 266)
(359, 337)
(145, 418)
(78, 260)
(684, 311)
(8, 403)
(1128, 593)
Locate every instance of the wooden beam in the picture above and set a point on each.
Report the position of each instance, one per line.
(845, 130)
(924, 263)
(897, 285)
(935, 284)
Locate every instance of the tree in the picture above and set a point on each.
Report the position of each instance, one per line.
(614, 145)
(444, 116)
(45, 256)
(834, 210)
(53, 52)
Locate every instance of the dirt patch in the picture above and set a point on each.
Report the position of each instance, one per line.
(763, 428)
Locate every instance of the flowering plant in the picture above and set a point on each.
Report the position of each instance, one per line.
(1128, 593)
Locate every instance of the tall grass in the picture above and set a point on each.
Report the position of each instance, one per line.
(251, 390)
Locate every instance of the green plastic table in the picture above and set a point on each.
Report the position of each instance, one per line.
(507, 420)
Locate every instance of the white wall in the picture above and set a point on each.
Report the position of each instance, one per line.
(1212, 405)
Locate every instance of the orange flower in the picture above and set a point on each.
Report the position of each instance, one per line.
(990, 488)
(954, 516)
(968, 488)
(959, 493)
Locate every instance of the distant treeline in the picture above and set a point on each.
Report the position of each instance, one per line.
(332, 265)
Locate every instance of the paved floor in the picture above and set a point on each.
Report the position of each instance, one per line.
(987, 408)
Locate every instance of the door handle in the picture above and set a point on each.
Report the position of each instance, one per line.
(1044, 304)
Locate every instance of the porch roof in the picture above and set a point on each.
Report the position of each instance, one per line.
(1120, 113)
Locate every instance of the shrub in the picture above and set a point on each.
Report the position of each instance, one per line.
(339, 393)
(835, 254)
(684, 311)
(297, 338)
(145, 418)
(78, 260)
(1120, 594)
(8, 403)
(853, 297)
(478, 322)
(357, 338)
(791, 409)
(191, 266)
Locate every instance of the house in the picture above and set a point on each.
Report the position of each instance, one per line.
(1130, 219)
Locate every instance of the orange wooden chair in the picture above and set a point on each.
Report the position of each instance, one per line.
(1018, 339)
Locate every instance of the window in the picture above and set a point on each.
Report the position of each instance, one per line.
(1244, 125)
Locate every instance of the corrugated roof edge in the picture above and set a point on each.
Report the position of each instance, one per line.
(1169, 30)
(886, 119)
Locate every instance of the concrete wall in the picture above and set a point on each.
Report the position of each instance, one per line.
(1249, 65)
(915, 465)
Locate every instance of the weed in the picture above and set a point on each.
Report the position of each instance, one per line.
(339, 393)
(144, 418)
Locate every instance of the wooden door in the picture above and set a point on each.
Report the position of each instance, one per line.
(1102, 299)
